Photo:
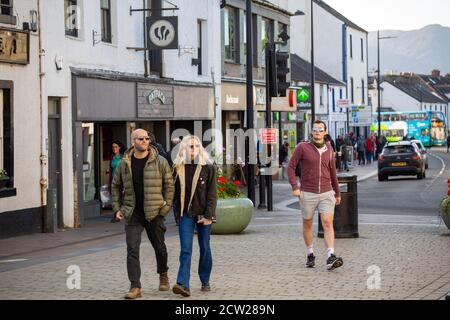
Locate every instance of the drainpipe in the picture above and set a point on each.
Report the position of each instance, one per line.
(43, 157)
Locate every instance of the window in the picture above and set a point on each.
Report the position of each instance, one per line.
(362, 49)
(283, 28)
(105, 7)
(351, 47)
(362, 91)
(321, 94)
(199, 50)
(71, 14)
(7, 12)
(266, 37)
(334, 100)
(6, 138)
(352, 92)
(6, 7)
(229, 33)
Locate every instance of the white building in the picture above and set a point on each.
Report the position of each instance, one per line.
(21, 138)
(407, 92)
(95, 86)
(340, 49)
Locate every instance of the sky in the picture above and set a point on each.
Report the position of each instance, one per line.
(373, 15)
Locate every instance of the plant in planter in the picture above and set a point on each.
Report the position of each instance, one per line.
(4, 178)
(445, 209)
(233, 212)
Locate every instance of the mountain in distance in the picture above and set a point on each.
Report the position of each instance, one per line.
(418, 51)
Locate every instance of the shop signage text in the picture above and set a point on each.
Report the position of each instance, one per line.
(232, 100)
(156, 94)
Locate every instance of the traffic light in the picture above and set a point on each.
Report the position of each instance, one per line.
(272, 71)
(282, 70)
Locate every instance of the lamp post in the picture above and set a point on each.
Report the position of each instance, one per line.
(313, 112)
(250, 111)
(379, 80)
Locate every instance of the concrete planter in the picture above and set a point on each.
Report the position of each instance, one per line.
(233, 215)
(445, 211)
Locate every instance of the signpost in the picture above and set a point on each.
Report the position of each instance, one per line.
(343, 103)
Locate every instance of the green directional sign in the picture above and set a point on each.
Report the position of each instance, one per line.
(303, 94)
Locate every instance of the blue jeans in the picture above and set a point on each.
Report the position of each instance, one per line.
(186, 230)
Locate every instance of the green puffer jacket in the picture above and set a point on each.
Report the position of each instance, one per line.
(158, 186)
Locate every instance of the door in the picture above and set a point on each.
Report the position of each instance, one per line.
(54, 158)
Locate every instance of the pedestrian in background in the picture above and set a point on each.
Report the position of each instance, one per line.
(319, 189)
(195, 191)
(118, 150)
(146, 179)
(448, 142)
(361, 148)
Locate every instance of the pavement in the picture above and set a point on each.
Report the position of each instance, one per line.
(388, 261)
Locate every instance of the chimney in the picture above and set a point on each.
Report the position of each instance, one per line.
(435, 73)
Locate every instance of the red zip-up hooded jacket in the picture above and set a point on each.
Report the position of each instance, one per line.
(318, 172)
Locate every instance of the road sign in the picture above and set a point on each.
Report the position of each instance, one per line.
(343, 103)
(303, 94)
(269, 135)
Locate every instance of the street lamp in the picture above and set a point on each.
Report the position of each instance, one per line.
(250, 111)
(313, 112)
(378, 80)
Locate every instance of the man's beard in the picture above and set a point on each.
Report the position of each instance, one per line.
(320, 143)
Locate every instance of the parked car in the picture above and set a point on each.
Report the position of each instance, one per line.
(423, 151)
(401, 158)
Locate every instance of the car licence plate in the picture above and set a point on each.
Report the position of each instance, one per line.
(398, 164)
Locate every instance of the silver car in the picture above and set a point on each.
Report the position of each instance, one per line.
(423, 151)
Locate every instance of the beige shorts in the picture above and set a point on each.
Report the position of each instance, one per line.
(310, 202)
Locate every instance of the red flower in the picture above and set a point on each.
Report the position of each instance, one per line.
(237, 182)
(222, 189)
(222, 179)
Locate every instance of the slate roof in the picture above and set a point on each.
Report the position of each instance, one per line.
(301, 71)
(414, 87)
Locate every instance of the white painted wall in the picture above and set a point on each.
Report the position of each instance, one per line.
(396, 99)
(127, 32)
(357, 68)
(26, 120)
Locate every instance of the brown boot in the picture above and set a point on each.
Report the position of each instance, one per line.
(134, 293)
(164, 282)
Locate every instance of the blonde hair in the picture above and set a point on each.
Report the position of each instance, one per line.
(203, 156)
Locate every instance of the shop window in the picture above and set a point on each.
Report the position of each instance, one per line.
(89, 190)
(6, 139)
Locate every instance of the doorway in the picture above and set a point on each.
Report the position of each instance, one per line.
(54, 158)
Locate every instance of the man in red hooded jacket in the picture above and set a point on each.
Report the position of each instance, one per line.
(319, 189)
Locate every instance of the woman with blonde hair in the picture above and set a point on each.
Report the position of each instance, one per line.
(195, 191)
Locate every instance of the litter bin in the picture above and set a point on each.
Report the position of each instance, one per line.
(346, 214)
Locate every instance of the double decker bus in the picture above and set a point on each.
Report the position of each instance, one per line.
(427, 126)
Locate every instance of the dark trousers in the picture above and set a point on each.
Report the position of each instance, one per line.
(155, 231)
(186, 229)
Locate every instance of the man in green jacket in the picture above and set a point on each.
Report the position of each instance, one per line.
(142, 194)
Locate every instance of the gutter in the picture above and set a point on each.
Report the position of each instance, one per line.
(44, 156)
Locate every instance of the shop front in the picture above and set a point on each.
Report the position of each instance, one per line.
(106, 110)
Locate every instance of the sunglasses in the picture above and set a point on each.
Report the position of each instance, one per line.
(192, 146)
(318, 130)
(143, 138)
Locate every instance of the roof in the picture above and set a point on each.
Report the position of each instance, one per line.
(441, 84)
(436, 81)
(399, 143)
(338, 15)
(414, 87)
(301, 71)
(270, 5)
